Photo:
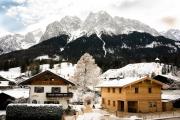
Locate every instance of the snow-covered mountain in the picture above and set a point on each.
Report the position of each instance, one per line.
(95, 23)
(67, 25)
(14, 42)
(31, 38)
(172, 34)
(11, 43)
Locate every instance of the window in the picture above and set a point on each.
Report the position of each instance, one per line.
(39, 89)
(109, 102)
(34, 101)
(55, 89)
(114, 103)
(150, 90)
(103, 101)
(119, 90)
(114, 90)
(51, 102)
(108, 89)
(152, 104)
(67, 101)
(136, 90)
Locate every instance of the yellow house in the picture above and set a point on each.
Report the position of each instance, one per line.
(132, 95)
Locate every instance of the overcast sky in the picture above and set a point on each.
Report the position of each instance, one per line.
(27, 15)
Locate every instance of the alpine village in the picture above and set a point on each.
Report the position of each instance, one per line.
(100, 68)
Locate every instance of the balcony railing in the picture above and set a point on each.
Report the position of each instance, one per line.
(59, 94)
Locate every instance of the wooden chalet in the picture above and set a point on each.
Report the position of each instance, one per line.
(133, 95)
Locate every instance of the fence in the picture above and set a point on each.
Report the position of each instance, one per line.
(148, 116)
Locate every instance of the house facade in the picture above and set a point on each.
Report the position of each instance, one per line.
(5, 83)
(49, 88)
(132, 95)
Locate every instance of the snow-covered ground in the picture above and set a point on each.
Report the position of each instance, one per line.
(134, 70)
(11, 74)
(95, 114)
(64, 69)
(170, 94)
(2, 112)
(46, 57)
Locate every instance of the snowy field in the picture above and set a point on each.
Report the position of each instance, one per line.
(64, 69)
(2, 112)
(134, 70)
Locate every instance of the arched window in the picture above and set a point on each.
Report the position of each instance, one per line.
(34, 101)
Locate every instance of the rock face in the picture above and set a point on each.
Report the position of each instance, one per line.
(10, 43)
(100, 22)
(67, 25)
(15, 42)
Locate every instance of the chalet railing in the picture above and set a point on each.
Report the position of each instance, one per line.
(59, 94)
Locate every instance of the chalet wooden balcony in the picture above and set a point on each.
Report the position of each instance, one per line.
(49, 95)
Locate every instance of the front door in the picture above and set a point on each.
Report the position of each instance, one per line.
(121, 106)
(152, 107)
(132, 106)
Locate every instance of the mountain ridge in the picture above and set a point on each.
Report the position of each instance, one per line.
(109, 51)
(95, 23)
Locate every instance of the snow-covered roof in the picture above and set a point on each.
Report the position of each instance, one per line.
(34, 105)
(124, 82)
(170, 95)
(157, 59)
(172, 77)
(11, 73)
(93, 88)
(3, 79)
(4, 85)
(5, 82)
(17, 93)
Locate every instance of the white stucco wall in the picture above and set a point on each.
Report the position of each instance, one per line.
(4, 83)
(41, 97)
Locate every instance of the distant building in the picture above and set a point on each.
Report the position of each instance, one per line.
(5, 83)
(173, 96)
(17, 95)
(49, 88)
(133, 95)
(172, 82)
(157, 60)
